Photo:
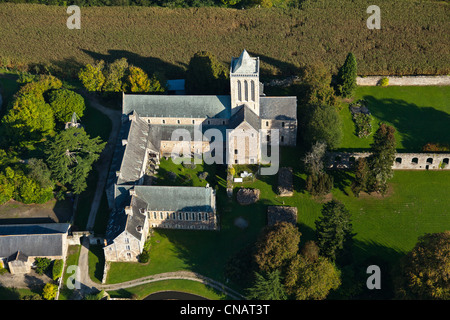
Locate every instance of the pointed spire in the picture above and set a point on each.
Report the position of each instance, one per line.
(244, 64)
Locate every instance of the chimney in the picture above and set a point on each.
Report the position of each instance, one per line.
(128, 210)
(124, 142)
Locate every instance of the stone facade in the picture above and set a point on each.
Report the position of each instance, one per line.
(403, 161)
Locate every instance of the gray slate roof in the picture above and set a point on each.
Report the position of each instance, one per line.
(278, 108)
(175, 198)
(244, 64)
(174, 106)
(134, 153)
(32, 239)
(247, 115)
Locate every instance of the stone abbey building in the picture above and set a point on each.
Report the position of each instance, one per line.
(240, 123)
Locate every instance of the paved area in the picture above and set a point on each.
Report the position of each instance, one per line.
(105, 157)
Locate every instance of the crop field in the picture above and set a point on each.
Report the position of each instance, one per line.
(412, 38)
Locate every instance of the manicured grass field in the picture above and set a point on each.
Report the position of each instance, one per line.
(168, 285)
(419, 114)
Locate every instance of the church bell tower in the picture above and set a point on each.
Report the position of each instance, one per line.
(244, 82)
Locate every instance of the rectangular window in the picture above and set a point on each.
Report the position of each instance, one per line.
(235, 151)
(282, 124)
(128, 247)
(267, 123)
(163, 121)
(178, 121)
(193, 121)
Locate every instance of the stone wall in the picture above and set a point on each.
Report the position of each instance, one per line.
(405, 81)
(403, 161)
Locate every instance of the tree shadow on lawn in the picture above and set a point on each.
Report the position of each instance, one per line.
(417, 125)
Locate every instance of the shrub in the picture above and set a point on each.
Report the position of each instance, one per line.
(384, 82)
(49, 292)
(363, 124)
(57, 269)
(319, 184)
(436, 147)
(346, 78)
(42, 265)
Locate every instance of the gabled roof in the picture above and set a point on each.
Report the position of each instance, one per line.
(175, 198)
(278, 108)
(33, 239)
(174, 106)
(247, 115)
(133, 157)
(244, 64)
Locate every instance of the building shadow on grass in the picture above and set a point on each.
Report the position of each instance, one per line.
(417, 125)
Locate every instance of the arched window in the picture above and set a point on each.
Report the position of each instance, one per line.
(430, 160)
(161, 215)
(193, 216)
(246, 90)
(239, 90)
(154, 215)
(398, 160)
(415, 160)
(199, 216)
(186, 215)
(253, 90)
(206, 216)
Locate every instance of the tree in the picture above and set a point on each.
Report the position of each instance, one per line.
(49, 292)
(206, 75)
(42, 265)
(381, 159)
(138, 81)
(114, 73)
(359, 184)
(318, 181)
(29, 118)
(70, 156)
(310, 251)
(322, 123)
(92, 77)
(314, 159)
(311, 280)
(276, 246)
(267, 288)
(333, 229)
(6, 189)
(424, 272)
(315, 87)
(346, 78)
(64, 103)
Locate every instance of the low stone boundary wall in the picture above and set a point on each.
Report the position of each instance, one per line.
(403, 161)
(405, 81)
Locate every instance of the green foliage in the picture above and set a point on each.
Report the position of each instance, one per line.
(206, 75)
(311, 280)
(346, 78)
(276, 246)
(6, 189)
(322, 123)
(64, 103)
(319, 184)
(57, 269)
(361, 176)
(114, 74)
(333, 229)
(363, 124)
(29, 117)
(71, 154)
(95, 296)
(38, 171)
(42, 265)
(384, 82)
(91, 76)
(49, 291)
(381, 160)
(267, 288)
(424, 271)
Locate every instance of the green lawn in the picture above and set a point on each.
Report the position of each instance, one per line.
(73, 254)
(386, 228)
(166, 285)
(419, 114)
